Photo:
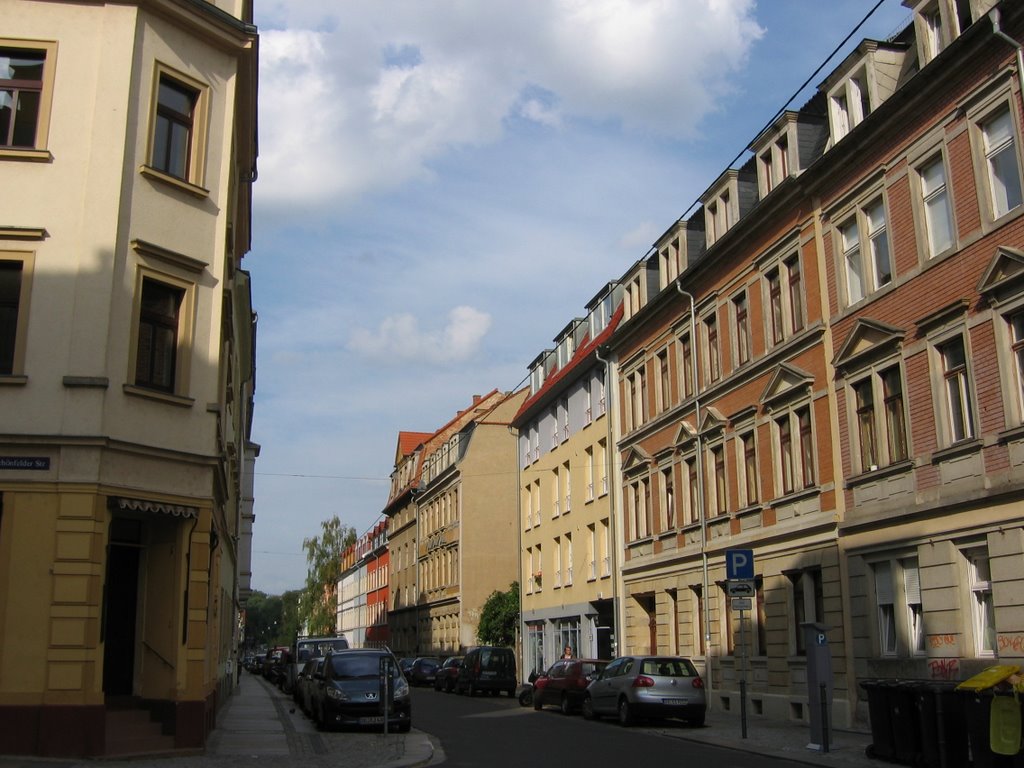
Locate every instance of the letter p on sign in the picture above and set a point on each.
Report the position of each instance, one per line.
(739, 563)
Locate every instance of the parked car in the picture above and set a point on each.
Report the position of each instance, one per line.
(447, 674)
(406, 665)
(565, 683)
(423, 671)
(348, 691)
(303, 690)
(487, 668)
(307, 648)
(632, 687)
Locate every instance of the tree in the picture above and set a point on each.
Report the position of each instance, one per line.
(318, 608)
(262, 620)
(499, 617)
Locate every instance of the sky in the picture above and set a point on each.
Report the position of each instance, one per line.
(443, 185)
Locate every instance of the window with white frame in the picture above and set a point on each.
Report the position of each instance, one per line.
(794, 444)
(996, 133)
(1015, 325)
(864, 245)
(691, 499)
(557, 566)
(601, 456)
(718, 498)
(556, 506)
(849, 103)
(979, 582)
(604, 542)
(668, 498)
(741, 327)
(639, 508)
(712, 356)
(957, 414)
(774, 164)
(936, 207)
(938, 23)
(880, 418)
(568, 559)
(686, 366)
(915, 608)
(783, 286)
(746, 460)
(566, 480)
(664, 385)
(590, 473)
(591, 551)
(885, 602)
(636, 398)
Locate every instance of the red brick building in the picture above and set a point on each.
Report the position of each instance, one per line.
(822, 362)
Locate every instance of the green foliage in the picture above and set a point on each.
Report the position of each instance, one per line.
(499, 618)
(262, 619)
(318, 605)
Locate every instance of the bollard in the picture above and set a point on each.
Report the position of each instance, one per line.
(743, 708)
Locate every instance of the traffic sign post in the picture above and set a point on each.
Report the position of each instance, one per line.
(740, 587)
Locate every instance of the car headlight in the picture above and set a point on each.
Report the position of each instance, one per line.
(401, 688)
(336, 694)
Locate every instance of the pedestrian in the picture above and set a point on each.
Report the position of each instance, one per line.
(567, 653)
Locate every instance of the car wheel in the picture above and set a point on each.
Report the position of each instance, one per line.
(320, 720)
(588, 709)
(625, 715)
(448, 686)
(565, 705)
(526, 698)
(697, 720)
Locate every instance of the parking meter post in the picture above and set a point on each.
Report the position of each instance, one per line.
(385, 677)
(823, 693)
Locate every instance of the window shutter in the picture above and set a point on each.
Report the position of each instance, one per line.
(883, 583)
(912, 581)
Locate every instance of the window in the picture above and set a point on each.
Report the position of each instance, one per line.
(26, 90)
(979, 580)
(748, 462)
(1016, 326)
(774, 163)
(686, 365)
(713, 371)
(639, 500)
(668, 500)
(15, 276)
(719, 494)
(157, 351)
(915, 612)
(881, 433)
(1001, 163)
(741, 328)
(784, 299)
(849, 104)
(178, 135)
(691, 498)
(636, 398)
(864, 244)
(664, 381)
(885, 602)
(936, 208)
(959, 411)
(795, 450)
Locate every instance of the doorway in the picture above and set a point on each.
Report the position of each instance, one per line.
(120, 606)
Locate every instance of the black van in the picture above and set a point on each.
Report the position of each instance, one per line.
(487, 668)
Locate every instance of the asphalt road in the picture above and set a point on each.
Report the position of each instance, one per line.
(495, 731)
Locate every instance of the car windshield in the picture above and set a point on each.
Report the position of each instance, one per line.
(357, 665)
(308, 649)
(668, 668)
(591, 667)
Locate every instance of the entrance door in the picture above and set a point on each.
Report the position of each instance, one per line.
(121, 601)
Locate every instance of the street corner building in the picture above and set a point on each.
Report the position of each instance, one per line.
(127, 155)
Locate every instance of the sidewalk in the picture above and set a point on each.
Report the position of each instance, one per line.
(776, 738)
(259, 724)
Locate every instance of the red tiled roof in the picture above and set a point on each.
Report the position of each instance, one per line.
(410, 441)
(582, 352)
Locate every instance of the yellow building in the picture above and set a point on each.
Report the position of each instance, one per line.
(569, 571)
(126, 368)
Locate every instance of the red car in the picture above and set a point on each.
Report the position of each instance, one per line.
(565, 683)
(448, 674)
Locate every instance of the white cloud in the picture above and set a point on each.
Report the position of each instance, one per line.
(399, 339)
(365, 102)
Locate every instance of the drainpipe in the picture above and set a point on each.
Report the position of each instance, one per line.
(701, 512)
(613, 544)
(520, 635)
(994, 17)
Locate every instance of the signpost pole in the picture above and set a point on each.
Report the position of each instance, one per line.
(743, 674)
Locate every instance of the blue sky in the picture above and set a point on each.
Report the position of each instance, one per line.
(444, 185)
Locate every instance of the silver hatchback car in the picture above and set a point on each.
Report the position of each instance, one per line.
(632, 687)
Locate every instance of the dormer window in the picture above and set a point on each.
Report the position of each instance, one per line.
(938, 23)
(726, 201)
(867, 78)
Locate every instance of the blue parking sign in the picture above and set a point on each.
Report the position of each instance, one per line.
(739, 563)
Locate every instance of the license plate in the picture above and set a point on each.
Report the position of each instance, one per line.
(674, 702)
(486, 674)
(374, 720)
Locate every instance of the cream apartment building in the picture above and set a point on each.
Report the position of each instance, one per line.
(569, 564)
(127, 150)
